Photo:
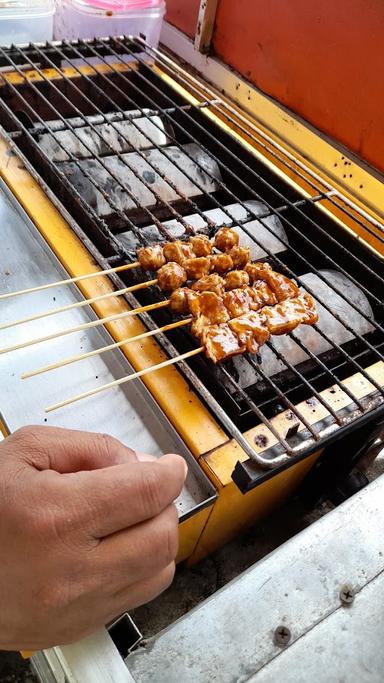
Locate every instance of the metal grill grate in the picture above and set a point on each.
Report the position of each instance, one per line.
(131, 158)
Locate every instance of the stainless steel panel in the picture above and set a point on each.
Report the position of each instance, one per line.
(230, 637)
(344, 648)
(128, 412)
(92, 660)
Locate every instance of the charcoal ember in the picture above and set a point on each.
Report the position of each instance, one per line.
(270, 234)
(124, 133)
(268, 231)
(115, 183)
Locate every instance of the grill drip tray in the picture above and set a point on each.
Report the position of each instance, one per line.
(127, 413)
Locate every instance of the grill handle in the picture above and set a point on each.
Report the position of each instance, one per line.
(342, 450)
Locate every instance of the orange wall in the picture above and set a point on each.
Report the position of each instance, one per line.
(183, 14)
(323, 59)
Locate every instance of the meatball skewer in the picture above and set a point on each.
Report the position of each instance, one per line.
(224, 340)
(155, 256)
(221, 336)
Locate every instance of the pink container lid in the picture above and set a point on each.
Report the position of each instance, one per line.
(123, 5)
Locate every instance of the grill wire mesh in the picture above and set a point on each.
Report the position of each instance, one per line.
(72, 88)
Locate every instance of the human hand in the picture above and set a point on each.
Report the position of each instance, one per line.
(88, 530)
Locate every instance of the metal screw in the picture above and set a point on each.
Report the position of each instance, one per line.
(347, 594)
(282, 635)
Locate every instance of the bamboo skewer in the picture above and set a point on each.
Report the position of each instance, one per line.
(84, 326)
(70, 281)
(78, 304)
(110, 347)
(124, 380)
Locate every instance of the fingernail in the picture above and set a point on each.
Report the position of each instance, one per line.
(185, 466)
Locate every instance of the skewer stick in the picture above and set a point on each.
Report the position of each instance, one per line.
(110, 347)
(85, 326)
(124, 380)
(78, 304)
(72, 280)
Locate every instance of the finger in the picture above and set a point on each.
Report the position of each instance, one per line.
(142, 592)
(141, 551)
(101, 612)
(119, 497)
(65, 450)
(143, 457)
(110, 607)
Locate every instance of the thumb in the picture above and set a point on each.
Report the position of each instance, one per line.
(66, 451)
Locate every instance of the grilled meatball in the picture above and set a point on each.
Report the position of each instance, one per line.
(226, 238)
(151, 258)
(281, 286)
(240, 256)
(174, 252)
(221, 263)
(251, 330)
(196, 267)
(179, 301)
(256, 271)
(289, 314)
(178, 251)
(262, 295)
(171, 276)
(187, 249)
(210, 283)
(311, 315)
(201, 245)
(209, 305)
(237, 302)
(207, 309)
(221, 343)
(236, 279)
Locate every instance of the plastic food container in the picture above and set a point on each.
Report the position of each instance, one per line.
(102, 18)
(25, 21)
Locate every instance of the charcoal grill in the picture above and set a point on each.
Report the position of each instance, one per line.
(126, 148)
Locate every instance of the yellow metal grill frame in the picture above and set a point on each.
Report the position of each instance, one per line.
(198, 428)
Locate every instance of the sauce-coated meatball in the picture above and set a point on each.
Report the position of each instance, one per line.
(174, 252)
(221, 263)
(187, 249)
(257, 270)
(171, 276)
(240, 256)
(179, 301)
(196, 267)
(236, 279)
(201, 245)
(210, 283)
(151, 258)
(226, 239)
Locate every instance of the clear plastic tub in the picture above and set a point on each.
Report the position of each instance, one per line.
(25, 21)
(101, 18)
